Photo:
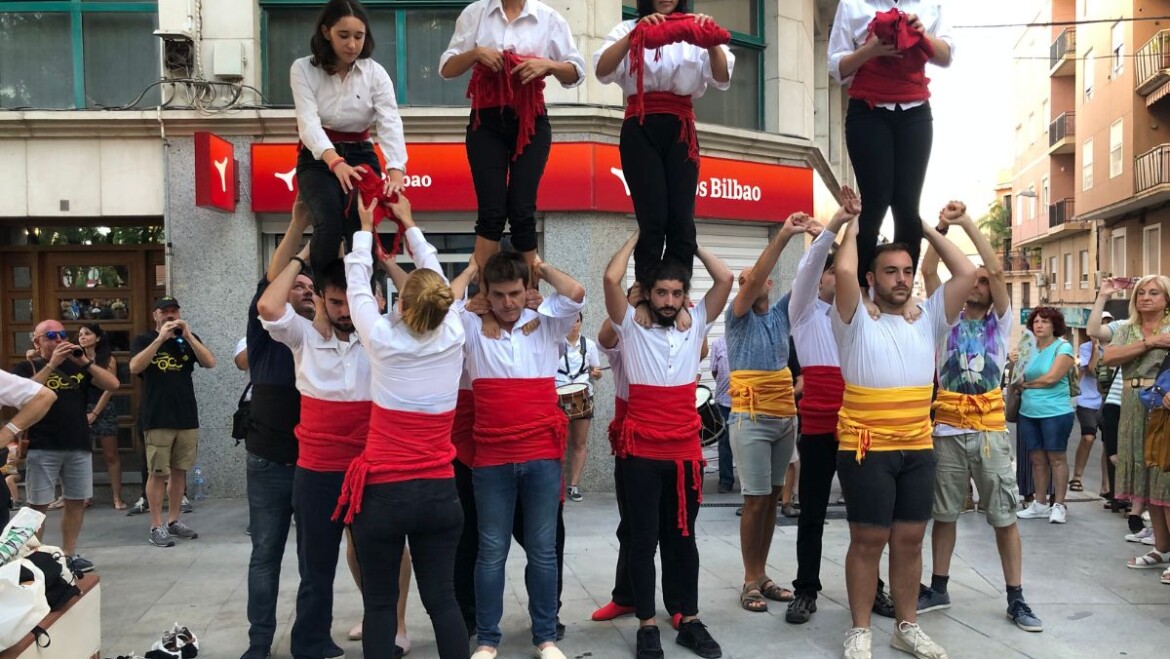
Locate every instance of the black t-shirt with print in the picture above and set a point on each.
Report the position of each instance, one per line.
(168, 393)
(65, 427)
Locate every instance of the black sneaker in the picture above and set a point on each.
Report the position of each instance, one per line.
(255, 653)
(649, 643)
(883, 604)
(560, 630)
(800, 610)
(694, 635)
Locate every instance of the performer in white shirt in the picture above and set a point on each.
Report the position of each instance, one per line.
(340, 92)
(402, 487)
(658, 445)
(333, 376)
(519, 441)
(659, 145)
(511, 46)
(32, 401)
(579, 365)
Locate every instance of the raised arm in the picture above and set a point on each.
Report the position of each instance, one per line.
(271, 305)
(424, 254)
(929, 270)
(958, 287)
(562, 283)
(464, 279)
(616, 303)
(359, 267)
(287, 249)
(607, 337)
(722, 280)
(1094, 327)
(758, 275)
(956, 213)
(806, 284)
(848, 294)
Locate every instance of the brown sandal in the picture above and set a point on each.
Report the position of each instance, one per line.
(1075, 485)
(752, 599)
(774, 592)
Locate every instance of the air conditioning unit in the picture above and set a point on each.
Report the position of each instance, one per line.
(1044, 295)
(1041, 280)
(176, 20)
(1099, 278)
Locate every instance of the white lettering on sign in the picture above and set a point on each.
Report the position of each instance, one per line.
(221, 167)
(417, 181)
(287, 177)
(728, 188)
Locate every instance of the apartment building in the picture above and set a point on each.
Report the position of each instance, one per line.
(167, 124)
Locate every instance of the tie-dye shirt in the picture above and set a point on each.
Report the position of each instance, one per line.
(972, 357)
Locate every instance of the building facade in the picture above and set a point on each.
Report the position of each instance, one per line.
(95, 145)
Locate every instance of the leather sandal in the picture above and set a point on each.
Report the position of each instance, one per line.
(751, 598)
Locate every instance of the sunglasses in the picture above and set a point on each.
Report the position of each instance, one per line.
(56, 335)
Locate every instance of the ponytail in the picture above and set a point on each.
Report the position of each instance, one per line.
(426, 298)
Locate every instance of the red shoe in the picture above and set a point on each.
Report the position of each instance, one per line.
(611, 611)
(675, 620)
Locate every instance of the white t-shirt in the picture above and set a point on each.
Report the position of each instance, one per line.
(573, 367)
(890, 352)
(241, 346)
(1090, 396)
(972, 357)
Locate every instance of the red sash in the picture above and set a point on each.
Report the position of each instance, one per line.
(402, 446)
(461, 428)
(338, 137)
(823, 391)
(331, 433)
(615, 426)
(682, 107)
(498, 89)
(894, 79)
(518, 420)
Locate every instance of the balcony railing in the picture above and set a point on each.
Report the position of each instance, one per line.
(1060, 212)
(1064, 45)
(1151, 169)
(1063, 127)
(1152, 63)
(1017, 261)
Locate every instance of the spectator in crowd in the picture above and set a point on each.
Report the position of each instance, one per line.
(1101, 327)
(579, 364)
(1088, 410)
(100, 412)
(32, 401)
(721, 372)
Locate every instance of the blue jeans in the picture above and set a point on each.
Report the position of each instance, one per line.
(270, 487)
(315, 496)
(536, 487)
(726, 459)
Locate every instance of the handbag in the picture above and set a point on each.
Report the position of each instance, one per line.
(22, 601)
(1011, 397)
(1157, 439)
(242, 419)
(1152, 395)
(1074, 378)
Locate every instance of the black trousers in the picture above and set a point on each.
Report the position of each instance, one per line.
(662, 180)
(818, 463)
(650, 491)
(315, 496)
(328, 204)
(427, 514)
(623, 586)
(468, 549)
(504, 188)
(890, 150)
(1110, 418)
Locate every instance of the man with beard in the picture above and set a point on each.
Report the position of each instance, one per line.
(271, 442)
(333, 378)
(658, 443)
(970, 434)
(885, 457)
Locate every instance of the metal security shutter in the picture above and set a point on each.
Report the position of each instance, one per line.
(739, 245)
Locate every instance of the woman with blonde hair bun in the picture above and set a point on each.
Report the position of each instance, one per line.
(402, 487)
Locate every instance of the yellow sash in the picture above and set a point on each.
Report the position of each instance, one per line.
(982, 412)
(763, 392)
(896, 419)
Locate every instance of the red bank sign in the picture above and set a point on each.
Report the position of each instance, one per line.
(215, 173)
(580, 176)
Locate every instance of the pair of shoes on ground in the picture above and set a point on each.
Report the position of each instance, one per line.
(573, 493)
(142, 507)
(401, 641)
(1018, 611)
(178, 642)
(1145, 536)
(908, 637)
(692, 635)
(614, 610)
(1056, 513)
(163, 536)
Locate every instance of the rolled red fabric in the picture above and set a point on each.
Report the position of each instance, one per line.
(676, 28)
(517, 420)
(462, 427)
(367, 189)
(894, 79)
(401, 446)
(823, 391)
(682, 107)
(615, 426)
(331, 433)
(500, 89)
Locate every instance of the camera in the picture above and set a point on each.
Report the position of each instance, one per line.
(77, 352)
(178, 331)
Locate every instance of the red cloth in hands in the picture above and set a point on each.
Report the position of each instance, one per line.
(369, 187)
(676, 28)
(499, 89)
(894, 79)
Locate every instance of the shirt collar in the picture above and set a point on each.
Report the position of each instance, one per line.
(527, 10)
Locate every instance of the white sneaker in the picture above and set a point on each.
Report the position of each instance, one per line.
(1036, 510)
(858, 643)
(1058, 514)
(1140, 536)
(909, 637)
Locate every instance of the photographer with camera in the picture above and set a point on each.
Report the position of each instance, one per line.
(58, 446)
(169, 416)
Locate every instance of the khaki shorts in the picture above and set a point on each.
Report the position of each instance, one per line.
(167, 449)
(985, 457)
(762, 449)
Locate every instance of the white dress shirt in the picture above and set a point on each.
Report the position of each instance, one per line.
(812, 331)
(515, 355)
(16, 391)
(365, 98)
(539, 31)
(890, 352)
(679, 68)
(573, 367)
(621, 386)
(663, 356)
(410, 373)
(241, 346)
(851, 28)
(327, 369)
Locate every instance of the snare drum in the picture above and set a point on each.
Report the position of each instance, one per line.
(713, 423)
(576, 401)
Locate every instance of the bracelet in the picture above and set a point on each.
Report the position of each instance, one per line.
(336, 161)
(13, 427)
(304, 266)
